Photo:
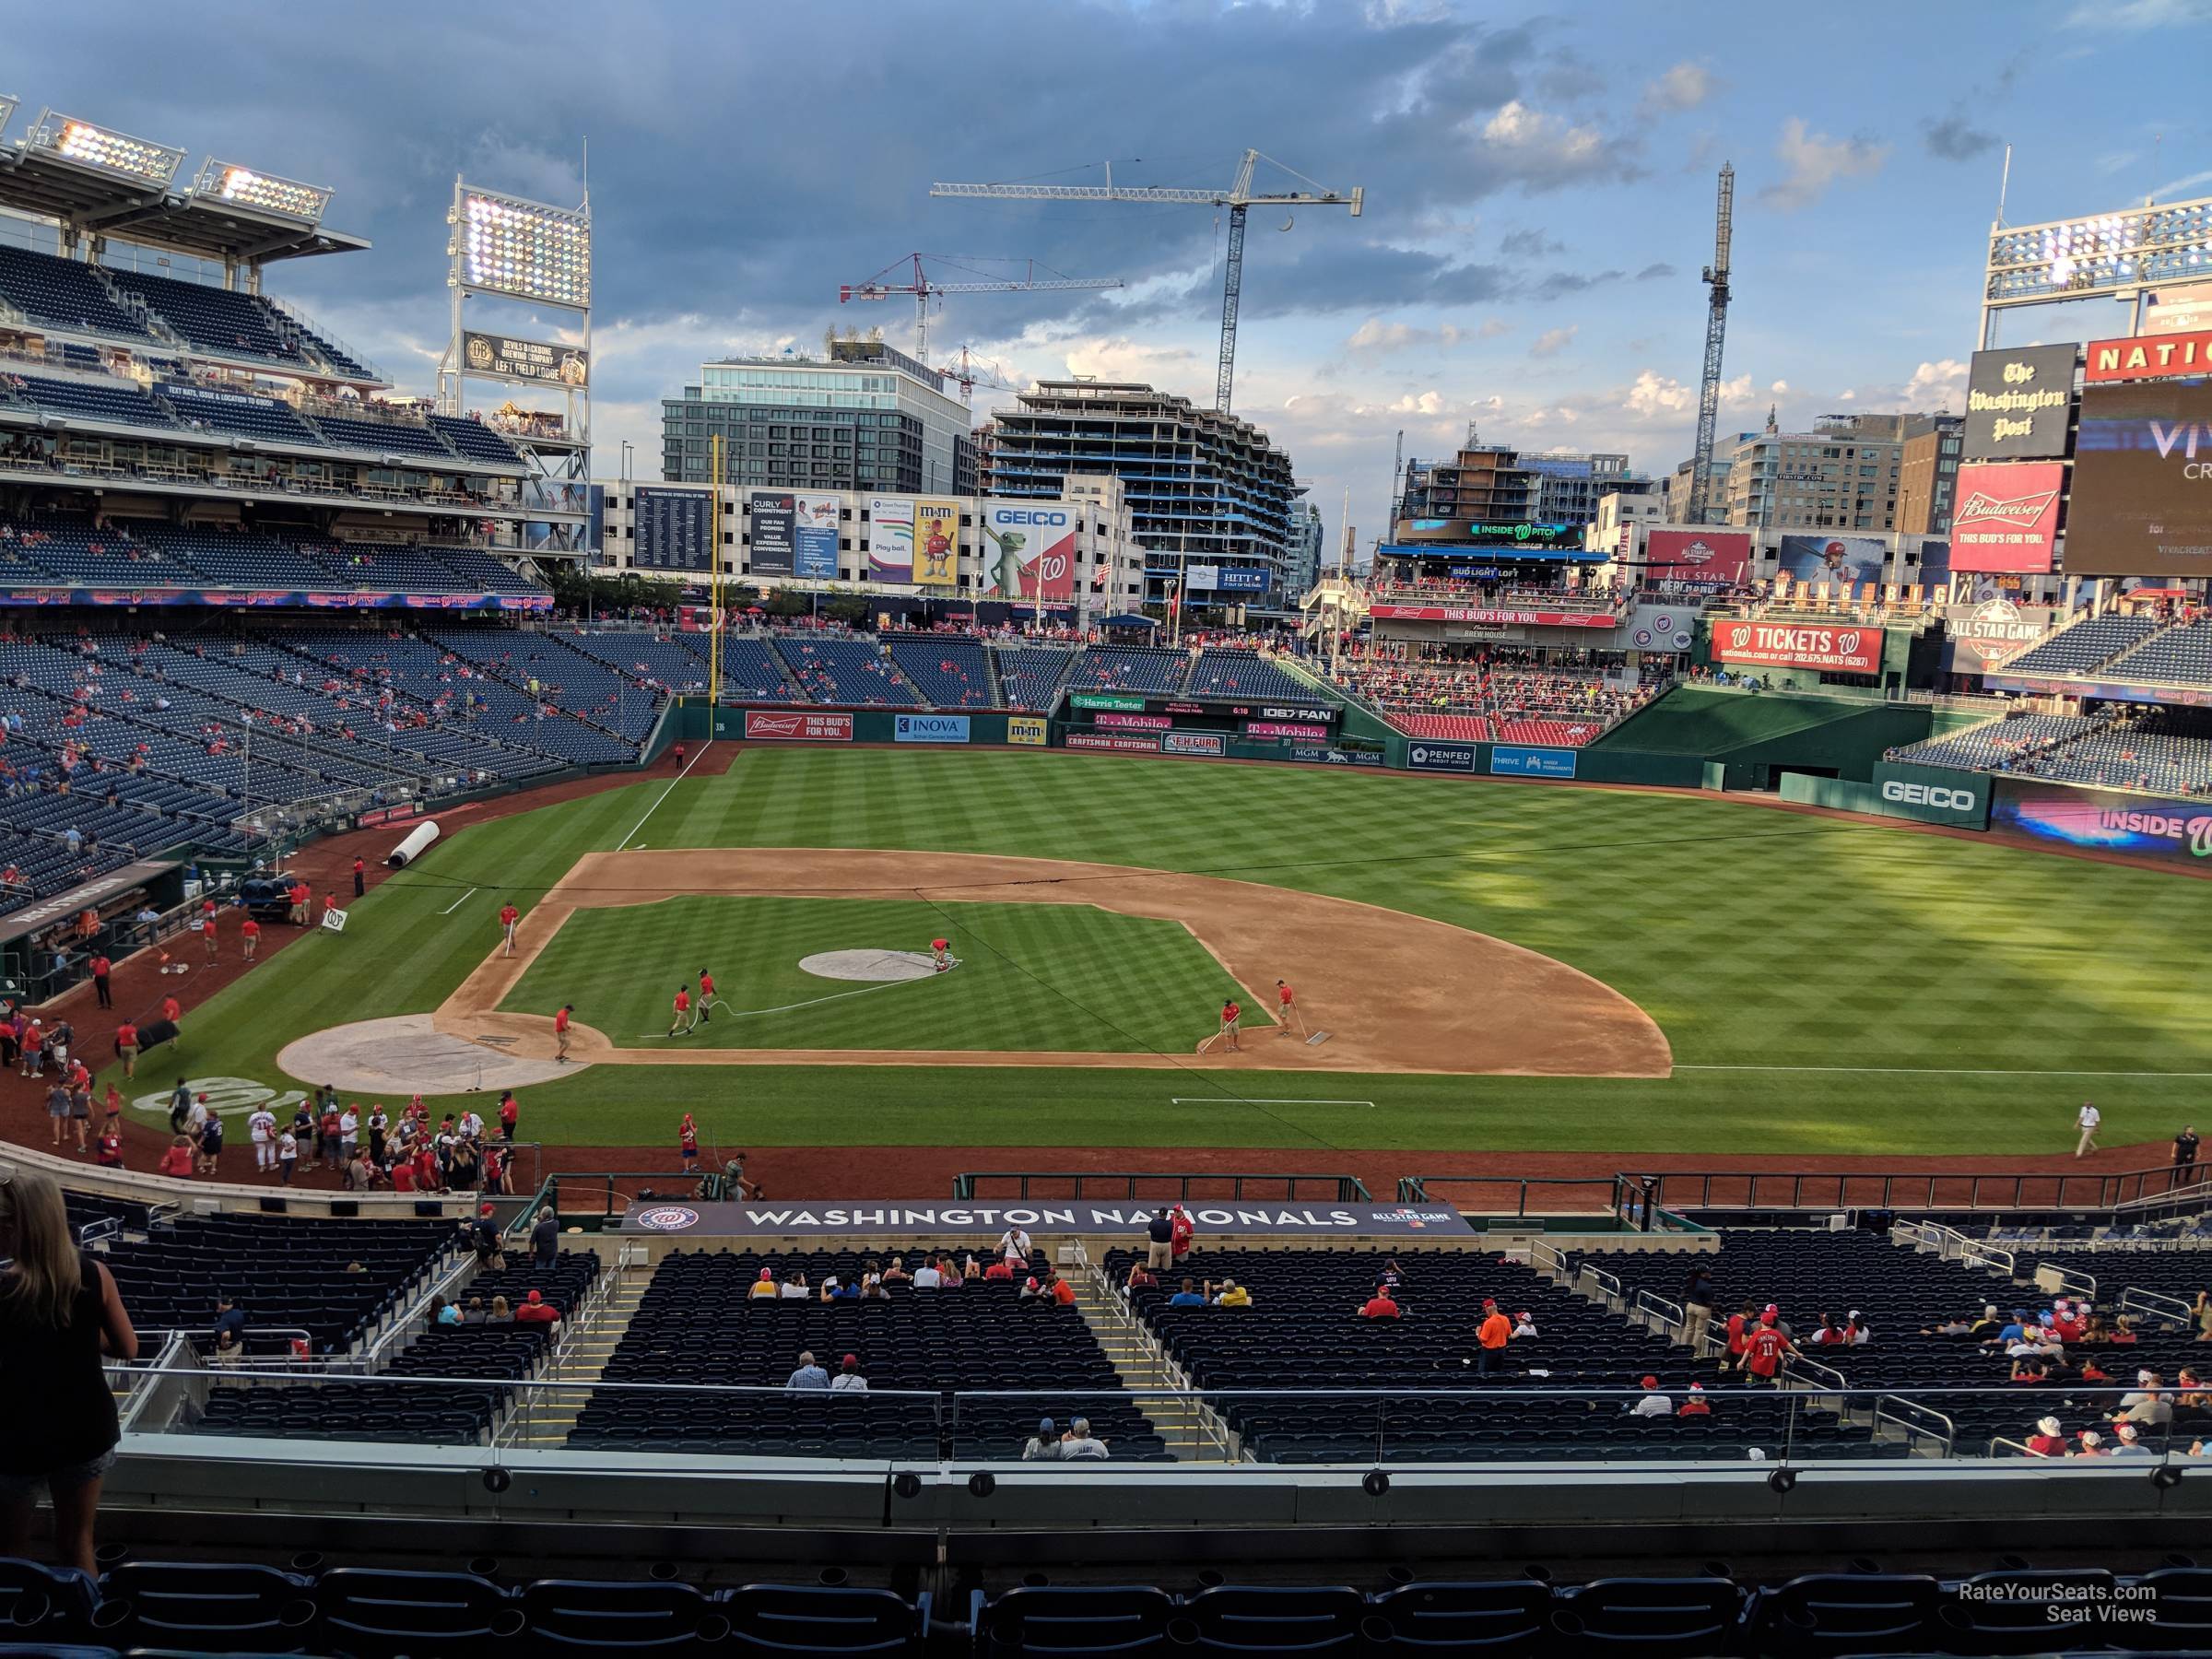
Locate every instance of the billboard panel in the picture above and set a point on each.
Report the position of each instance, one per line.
(2141, 505)
(1484, 613)
(1028, 730)
(1242, 579)
(538, 362)
(796, 725)
(1029, 550)
(775, 527)
(1202, 576)
(1194, 743)
(1798, 645)
(2006, 519)
(2017, 403)
(814, 538)
(673, 526)
(1514, 761)
(1298, 729)
(2148, 357)
(1977, 636)
(1834, 559)
(1131, 723)
(937, 543)
(1563, 537)
(930, 728)
(2137, 826)
(1710, 557)
(2178, 310)
(1120, 742)
(1441, 757)
(890, 538)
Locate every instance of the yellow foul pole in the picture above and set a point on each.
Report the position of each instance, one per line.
(714, 587)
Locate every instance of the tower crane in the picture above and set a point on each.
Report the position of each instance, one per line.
(973, 371)
(923, 289)
(1237, 198)
(1716, 329)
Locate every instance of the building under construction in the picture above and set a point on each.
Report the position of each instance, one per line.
(1206, 490)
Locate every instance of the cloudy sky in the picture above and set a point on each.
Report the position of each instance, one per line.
(1539, 186)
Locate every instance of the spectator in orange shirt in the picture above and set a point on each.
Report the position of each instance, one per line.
(1493, 1333)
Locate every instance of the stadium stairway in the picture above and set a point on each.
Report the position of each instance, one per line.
(1193, 1431)
(544, 1423)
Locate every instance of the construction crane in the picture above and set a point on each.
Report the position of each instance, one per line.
(1237, 198)
(1716, 329)
(923, 289)
(971, 372)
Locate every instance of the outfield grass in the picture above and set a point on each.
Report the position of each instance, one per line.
(1885, 974)
(1034, 978)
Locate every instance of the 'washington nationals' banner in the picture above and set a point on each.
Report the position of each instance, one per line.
(1224, 1220)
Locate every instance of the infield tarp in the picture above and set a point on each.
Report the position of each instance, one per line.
(892, 1216)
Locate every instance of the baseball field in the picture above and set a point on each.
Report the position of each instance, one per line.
(1498, 967)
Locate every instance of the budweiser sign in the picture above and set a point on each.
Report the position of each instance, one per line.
(1794, 645)
(2148, 357)
(2006, 520)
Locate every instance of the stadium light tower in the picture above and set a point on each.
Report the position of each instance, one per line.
(249, 187)
(88, 143)
(508, 247)
(2122, 255)
(7, 109)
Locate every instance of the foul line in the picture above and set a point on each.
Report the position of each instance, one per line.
(1257, 1101)
(457, 903)
(1950, 1071)
(664, 789)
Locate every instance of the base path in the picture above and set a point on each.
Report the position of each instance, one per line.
(1399, 993)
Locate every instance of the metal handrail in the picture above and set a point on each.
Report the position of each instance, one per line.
(1892, 1408)
(1973, 1254)
(1909, 1189)
(2156, 1304)
(1598, 1280)
(1659, 1312)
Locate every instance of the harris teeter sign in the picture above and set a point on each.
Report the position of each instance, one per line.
(856, 1221)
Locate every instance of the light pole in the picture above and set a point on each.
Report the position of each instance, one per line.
(246, 783)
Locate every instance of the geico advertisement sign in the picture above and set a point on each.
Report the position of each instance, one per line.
(1938, 795)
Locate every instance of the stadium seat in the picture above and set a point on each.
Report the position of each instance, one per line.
(1075, 1621)
(2008, 1612)
(39, 1600)
(1667, 1618)
(582, 1616)
(1276, 1618)
(787, 1618)
(1503, 1618)
(204, 1605)
(382, 1614)
(2180, 1603)
(1838, 1613)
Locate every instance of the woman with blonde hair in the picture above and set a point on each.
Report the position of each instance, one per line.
(59, 1313)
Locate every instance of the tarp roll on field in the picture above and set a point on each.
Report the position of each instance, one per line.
(417, 842)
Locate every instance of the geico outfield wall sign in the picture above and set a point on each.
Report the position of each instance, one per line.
(541, 362)
(1219, 1220)
(1836, 650)
(1940, 798)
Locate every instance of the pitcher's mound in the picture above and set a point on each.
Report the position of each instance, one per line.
(404, 1055)
(877, 967)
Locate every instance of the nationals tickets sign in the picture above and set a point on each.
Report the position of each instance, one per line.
(1231, 1220)
(1795, 645)
(794, 726)
(1464, 613)
(2006, 520)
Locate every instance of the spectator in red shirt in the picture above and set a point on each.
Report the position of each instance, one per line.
(111, 1146)
(509, 1111)
(178, 1159)
(1696, 1405)
(2048, 1441)
(126, 1046)
(536, 1310)
(1000, 1269)
(1183, 1228)
(1380, 1305)
(173, 1010)
(1764, 1349)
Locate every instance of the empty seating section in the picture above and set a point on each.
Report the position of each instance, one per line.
(226, 557)
(180, 1608)
(480, 570)
(63, 293)
(853, 673)
(697, 1323)
(284, 1275)
(381, 437)
(2179, 656)
(1031, 674)
(1155, 670)
(473, 441)
(267, 419)
(116, 402)
(2002, 744)
(219, 321)
(2155, 751)
(1246, 674)
(752, 671)
(554, 671)
(1459, 728)
(2089, 644)
(74, 552)
(377, 566)
(645, 658)
(949, 671)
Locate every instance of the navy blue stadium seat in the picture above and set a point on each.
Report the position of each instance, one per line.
(55, 1601)
(1846, 1613)
(582, 1615)
(1667, 1618)
(784, 1618)
(205, 1605)
(2180, 1604)
(383, 1615)
(1076, 1621)
(1498, 1620)
(2010, 1612)
(1276, 1618)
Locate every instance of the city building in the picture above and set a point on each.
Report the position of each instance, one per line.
(1208, 494)
(864, 418)
(1612, 530)
(1843, 474)
(1489, 484)
(1302, 563)
(1928, 481)
(1570, 485)
(1108, 561)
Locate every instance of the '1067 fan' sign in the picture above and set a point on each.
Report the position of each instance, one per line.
(1789, 645)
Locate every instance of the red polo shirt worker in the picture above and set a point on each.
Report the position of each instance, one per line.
(509, 916)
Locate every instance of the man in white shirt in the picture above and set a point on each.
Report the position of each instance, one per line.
(2087, 1120)
(261, 1129)
(848, 1379)
(349, 1126)
(1654, 1404)
(196, 1118)
(472, 1126)
(795, 1288)
(927, 1278)
(1014, 1245)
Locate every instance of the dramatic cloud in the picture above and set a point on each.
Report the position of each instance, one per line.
(1955, 139)
(1812, 162)
(1553, 341)
(1684, 86)
(1544, 149)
